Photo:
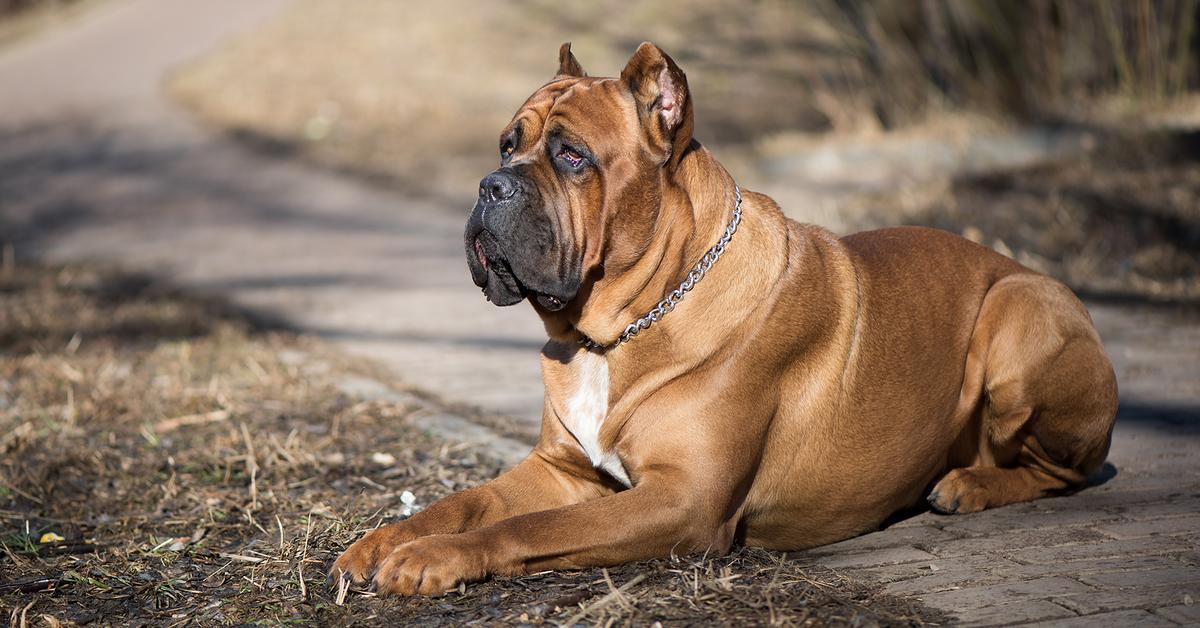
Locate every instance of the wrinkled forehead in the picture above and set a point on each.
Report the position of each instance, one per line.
(587, 107)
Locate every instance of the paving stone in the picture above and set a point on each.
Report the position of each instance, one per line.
(944, 574)
(989, 521)
(1013, 613)
(1121, 619)
(927, 518)
(1098, 601)
(885, 574)
(886, 556)
(1169, 506)
(891, 537)
(935, 582)
(991, 595)
(1104, 549)
(1186, 614)
(1103, 565)
(1132, 488)
(1143, 578)
(1138, 529)
(1008, 540)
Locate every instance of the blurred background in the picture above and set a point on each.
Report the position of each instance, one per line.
(314, 160)
(823, 104)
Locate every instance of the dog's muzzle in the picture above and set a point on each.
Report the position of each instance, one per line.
(511, 247)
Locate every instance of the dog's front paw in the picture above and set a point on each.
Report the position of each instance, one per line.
(362, 559)
(429, 565)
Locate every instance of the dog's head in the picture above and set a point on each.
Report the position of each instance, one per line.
(582, 169)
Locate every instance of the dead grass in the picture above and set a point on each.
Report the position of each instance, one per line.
(1120, 223)
(419, 92)
(202, 471)
(416, 94)
(21, 19)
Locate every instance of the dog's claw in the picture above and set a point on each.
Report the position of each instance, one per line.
(934, 500)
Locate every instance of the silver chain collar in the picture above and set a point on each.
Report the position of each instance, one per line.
(693, 277)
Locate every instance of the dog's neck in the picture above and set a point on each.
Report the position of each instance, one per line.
(696, 208)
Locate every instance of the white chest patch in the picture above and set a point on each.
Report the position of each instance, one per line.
(586, 408)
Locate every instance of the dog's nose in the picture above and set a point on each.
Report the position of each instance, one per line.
(498, 186)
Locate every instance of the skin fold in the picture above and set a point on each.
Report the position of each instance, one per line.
(805, 390)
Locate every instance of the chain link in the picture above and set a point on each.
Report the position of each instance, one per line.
(675, 296)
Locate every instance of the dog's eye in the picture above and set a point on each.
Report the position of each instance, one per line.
(506, 149)
(569, 156)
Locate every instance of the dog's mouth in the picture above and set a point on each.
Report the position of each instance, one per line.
(492, 271)
(479, 254)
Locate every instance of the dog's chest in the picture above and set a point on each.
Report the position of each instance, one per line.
(585, 410)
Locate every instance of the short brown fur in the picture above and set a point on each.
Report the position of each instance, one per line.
(806, 390)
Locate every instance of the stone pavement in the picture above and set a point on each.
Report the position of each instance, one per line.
(96, 164)
(1123, 553)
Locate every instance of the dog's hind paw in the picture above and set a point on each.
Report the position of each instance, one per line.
(960, 492)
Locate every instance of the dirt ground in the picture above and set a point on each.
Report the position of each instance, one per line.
(1119, 223)
(164, 460)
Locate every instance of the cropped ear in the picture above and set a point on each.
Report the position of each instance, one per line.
(568, 65)
(664, 103)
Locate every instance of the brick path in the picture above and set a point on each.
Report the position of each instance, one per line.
(94, 164)
(1124, 553)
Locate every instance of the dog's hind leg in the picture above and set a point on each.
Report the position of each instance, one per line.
(1045, 413)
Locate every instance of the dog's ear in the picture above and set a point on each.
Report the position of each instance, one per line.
(568, 65)
(664, 103)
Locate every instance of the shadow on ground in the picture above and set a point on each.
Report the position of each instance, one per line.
(69, 175)
(1120, 225)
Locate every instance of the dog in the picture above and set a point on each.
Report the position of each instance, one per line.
(716, 373)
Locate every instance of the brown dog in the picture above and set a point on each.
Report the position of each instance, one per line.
(800, 393)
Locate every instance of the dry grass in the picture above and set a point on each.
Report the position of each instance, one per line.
(419, 92)
(202, 471)
(1120, 223)
(20, 19)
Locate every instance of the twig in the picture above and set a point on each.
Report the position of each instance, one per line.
(167, 425)
(303, 556)
(343, 589)
(604, 600)
(251, 466)
(29, 586)
(613, 588)
(367, 481)
(22, 623)
(257, 369)
(242, 558)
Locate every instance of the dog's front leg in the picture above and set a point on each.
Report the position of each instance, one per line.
(664, 514)
(550, 477)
